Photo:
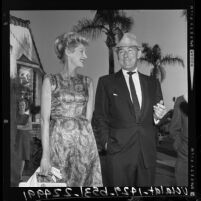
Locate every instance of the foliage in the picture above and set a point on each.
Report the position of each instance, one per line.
(23, 91)
(153, 55)
(113, 23)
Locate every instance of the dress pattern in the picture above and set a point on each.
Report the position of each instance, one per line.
(73, 148)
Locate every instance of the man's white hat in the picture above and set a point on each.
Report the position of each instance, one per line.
(128, 40)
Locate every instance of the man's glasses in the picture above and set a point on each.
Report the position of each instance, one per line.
(129, 51)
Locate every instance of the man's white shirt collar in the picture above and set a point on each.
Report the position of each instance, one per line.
(125, 72)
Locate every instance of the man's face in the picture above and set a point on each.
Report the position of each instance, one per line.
(128, 57)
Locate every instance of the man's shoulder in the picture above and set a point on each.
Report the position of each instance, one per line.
(146, 77)
(106, 78)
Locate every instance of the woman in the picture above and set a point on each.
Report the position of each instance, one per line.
(179, 132)
(23, 138)
(67, 98)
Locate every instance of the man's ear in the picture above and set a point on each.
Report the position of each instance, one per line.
(139, 54)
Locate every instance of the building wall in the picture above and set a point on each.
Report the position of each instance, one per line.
(21, 43)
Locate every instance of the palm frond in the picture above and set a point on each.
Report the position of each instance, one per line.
(147, 53)
(158, 72)
(123, 22)
(156, 53)
(105, 16)
(146, 48)
(112, 22)
(170, 60)
(118, 34)
(153, 55)
(114, 18)
(87, 27)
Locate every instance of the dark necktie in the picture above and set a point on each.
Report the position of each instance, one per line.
(134, 96)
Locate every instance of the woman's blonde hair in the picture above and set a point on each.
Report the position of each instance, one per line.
(68, 40)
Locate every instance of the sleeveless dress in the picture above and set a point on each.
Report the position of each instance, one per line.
(73, 148)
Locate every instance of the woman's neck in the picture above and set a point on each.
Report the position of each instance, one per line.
(68, 71)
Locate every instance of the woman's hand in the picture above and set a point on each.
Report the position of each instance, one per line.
(45, 166)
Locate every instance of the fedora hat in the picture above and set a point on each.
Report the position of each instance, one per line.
(128, 40)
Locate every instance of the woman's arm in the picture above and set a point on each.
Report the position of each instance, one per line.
(27, 127)
(101, 113)
(45, 118)
(90, 103)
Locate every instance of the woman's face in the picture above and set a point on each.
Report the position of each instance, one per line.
(22, 107)
(78, 56)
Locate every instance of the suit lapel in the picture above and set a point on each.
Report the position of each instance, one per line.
(122, 86)
(144, 88)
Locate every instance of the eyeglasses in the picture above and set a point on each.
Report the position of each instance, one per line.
(128, 50)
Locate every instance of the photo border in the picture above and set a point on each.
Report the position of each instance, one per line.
(17, 193)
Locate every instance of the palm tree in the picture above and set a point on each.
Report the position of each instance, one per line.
(153, 56)
(111, 22)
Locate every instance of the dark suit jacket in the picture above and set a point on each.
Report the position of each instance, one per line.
(115, 116)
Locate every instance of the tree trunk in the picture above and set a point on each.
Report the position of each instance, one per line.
(111, 60)
(156, 73)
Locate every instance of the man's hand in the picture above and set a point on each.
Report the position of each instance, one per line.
(159, 110)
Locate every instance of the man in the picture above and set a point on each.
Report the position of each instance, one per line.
(127, 107)
(179, 132)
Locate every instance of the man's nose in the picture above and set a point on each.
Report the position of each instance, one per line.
(126, 54)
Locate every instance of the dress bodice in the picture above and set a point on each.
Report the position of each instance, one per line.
(22, 119)
(69, 96)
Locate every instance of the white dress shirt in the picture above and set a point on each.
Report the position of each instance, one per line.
(137, 85)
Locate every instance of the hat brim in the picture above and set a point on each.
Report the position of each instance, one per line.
(138, 47)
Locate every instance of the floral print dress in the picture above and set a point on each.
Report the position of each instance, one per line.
(73, 148)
